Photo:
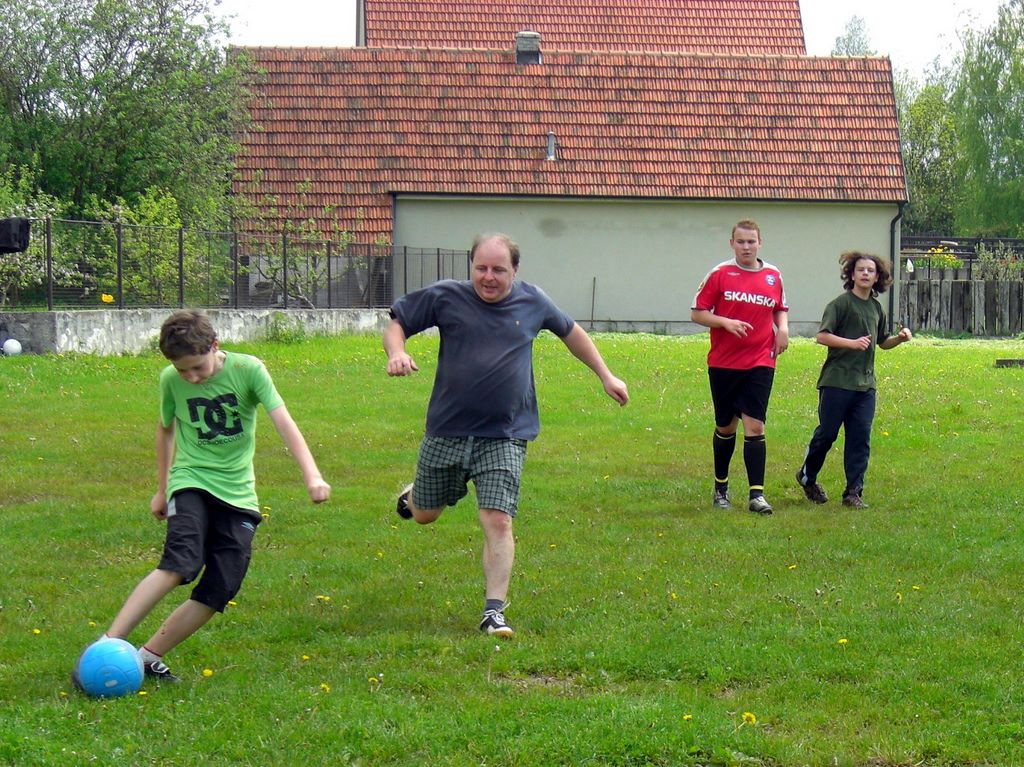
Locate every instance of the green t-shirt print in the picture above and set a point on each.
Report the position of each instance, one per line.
(215, 428)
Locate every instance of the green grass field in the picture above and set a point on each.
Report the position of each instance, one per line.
(651, 629)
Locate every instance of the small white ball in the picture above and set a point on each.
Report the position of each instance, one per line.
(12, 347)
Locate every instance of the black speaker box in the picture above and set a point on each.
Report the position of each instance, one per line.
(14, 234)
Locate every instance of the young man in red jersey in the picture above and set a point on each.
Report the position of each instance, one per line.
(744, 304)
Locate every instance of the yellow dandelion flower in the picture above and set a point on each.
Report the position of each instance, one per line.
(899, 597)
(106, 298)
(885, 434)
(207, 672)
(749, 718)
(675, 595)
(63, 694)
(143, 693)
(791, 567)
(551, 545)
(380, 555)
(916, 588)
(305, 657)
(37, 632)
(232, 603)
(92, 624)
(325, 687)
(687, 717)
(843, 642)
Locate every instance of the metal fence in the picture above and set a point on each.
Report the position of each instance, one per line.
(85, 264)
(961, 258)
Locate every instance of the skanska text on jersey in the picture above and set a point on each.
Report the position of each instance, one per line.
(748, 298)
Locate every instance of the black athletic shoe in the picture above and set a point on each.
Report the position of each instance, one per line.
(854, 501)
(402, 504)
(494, 624)
(158, 670)
(815, 493)
(759, 505)
(720, 500)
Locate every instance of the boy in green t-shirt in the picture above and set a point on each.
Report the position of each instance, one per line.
(205, 442)
(852, 325)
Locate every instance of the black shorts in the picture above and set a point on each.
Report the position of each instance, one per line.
(740, 392)
(205, 534)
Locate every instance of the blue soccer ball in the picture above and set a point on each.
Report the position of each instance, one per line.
(108, 668)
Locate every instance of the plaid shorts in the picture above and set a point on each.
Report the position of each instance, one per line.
(447, 464)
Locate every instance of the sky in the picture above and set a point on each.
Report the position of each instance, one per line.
(911, 32)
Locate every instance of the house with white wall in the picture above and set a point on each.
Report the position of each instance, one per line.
(616, 142)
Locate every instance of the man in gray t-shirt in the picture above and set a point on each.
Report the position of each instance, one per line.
(483, 408)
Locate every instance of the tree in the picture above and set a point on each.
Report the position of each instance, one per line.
(20, 196)
(988, 104)
(110, 98)
(930, 156)
(855, 40)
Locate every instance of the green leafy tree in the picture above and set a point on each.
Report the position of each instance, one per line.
(988, 104)
(115, 97)
(290, 236)
(20, 196)
(149, 230)
(930, 153)
(855, 40)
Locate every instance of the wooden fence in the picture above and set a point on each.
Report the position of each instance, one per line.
(980, 308)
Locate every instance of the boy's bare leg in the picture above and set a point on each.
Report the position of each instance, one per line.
(179, 626)
(142, 600)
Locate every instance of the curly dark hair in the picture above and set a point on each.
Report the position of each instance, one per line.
(848, 261)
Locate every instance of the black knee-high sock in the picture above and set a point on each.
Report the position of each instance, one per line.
(723, 446)
(755, 454)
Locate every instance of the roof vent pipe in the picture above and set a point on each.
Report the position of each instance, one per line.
(552, 146)
(527, 47)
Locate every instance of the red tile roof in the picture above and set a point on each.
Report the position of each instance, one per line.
(707, 26)
(362, 124)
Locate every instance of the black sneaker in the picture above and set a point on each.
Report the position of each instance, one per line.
(854, 501)
(494, 624)
(815, 493)
(759, 505)
(402, 504)
(721, 499)
(158, 670)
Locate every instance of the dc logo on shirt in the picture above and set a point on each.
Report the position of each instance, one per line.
(219, 420)
(770, 279)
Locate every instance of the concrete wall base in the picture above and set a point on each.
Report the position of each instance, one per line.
(128, 331)
(123, 331)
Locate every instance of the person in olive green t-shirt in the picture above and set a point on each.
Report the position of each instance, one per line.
(852, 326)
(206, 493)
